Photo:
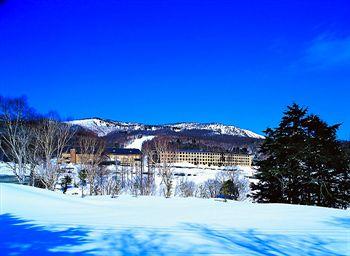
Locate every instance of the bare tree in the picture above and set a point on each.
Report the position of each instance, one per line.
(14, 134)
(33, 155)
(103, 181)
(165, 164)
(53, 136)
(212, 188)
(113, 183)
(91, 152)
(201, 191)
(137, 183)
(185, 188)
(149, 157)
(123, 171)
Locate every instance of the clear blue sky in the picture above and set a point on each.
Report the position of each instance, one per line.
(236, 62)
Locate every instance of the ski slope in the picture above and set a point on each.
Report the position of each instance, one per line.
(137, 143)
(40, 222)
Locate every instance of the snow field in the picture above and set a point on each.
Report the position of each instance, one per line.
(143, 225)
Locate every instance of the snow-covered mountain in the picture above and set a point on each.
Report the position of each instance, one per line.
(216, 128)
(103, 127)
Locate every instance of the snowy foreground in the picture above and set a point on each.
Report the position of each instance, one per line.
(40, 222)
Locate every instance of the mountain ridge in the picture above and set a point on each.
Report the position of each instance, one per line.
(103, 127)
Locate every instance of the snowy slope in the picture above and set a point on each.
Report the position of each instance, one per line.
(137, 143)
(40, 222)
(216, 128)
(104, 127)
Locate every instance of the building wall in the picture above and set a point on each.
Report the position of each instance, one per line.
(126, 160)
(75, 158)
(197, 158)
(66, 158)
(206, 158)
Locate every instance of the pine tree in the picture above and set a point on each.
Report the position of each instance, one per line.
(66, 180)
(304, 163)
(82, 175)
(229, 190)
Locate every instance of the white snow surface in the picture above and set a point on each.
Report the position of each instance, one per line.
(6, 169)
(41, 222)
(103, 127)
(137, 143)
(217, 128)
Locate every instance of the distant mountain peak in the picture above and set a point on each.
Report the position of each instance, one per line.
(102, 127)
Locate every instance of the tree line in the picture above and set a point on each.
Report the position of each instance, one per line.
(31, 142)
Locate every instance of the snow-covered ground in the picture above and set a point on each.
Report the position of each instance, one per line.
(137, 143)
(40, 222)
(196, 173)
(5, 168)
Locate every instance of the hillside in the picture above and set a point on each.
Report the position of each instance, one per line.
(104, 127)
(40, 222)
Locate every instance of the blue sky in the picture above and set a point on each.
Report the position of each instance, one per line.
(235, 62)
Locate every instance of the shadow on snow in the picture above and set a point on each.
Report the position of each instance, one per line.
(252, 242)
(20, 237)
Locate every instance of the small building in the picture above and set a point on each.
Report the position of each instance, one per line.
(69, 156)
(202, 157)
(124, 156)
(73, 156)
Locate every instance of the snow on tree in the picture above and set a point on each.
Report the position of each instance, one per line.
(52, 138)
(15, 135)
(91, 152)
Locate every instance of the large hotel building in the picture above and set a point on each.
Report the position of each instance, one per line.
(122, 156)
(130, 157)
(199, 157)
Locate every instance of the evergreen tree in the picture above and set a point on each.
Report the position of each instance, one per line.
(229, 190)
(304, 163)
(83, 180)
(66, 180)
